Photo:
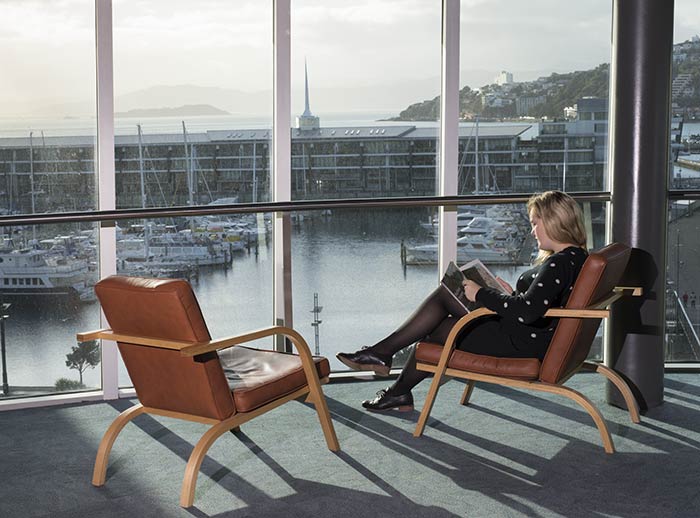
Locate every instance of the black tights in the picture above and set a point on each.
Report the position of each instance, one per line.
(432, 322)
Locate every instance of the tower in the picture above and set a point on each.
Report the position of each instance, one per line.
(306, 121)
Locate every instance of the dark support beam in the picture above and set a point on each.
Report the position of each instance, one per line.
(639, 159)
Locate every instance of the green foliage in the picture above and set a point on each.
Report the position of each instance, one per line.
(65, 384)
(575, 85)
(83, 356)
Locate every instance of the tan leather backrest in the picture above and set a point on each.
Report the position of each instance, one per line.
(167, 309)
(573, 338)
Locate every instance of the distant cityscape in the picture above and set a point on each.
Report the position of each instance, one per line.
(554, 96)
(559, 141)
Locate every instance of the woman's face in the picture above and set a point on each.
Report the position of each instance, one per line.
(544, 242)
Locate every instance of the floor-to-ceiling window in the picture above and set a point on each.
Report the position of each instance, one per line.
(47, 152)
(193, 119)
(356, 68)
(682, 273)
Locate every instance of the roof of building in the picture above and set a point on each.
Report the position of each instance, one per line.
(377, 131)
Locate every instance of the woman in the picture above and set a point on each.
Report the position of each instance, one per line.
(519, 328)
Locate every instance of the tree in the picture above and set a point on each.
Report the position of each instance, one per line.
(83, 356)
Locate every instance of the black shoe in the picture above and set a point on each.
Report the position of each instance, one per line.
(364, 360)
(385, 401)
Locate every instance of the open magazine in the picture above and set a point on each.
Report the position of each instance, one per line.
(475, 271)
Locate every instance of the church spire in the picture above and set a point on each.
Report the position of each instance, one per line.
(307, 121)
(307, 112)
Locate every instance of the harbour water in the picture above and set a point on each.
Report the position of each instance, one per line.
(351, 259)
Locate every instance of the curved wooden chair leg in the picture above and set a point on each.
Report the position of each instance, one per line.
(467, 394)
(616, 379)
(428, 405)
(99, 473)
(197, 456)
(590, 408)
(324, 416)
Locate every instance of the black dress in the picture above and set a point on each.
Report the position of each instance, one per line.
(519, 329)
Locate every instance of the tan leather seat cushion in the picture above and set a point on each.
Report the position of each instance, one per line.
(516, 368)
(257, 376)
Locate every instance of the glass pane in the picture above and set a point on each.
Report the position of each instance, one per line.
(47, 107)
(683, 282)
(348, 263)
(227, 259)
(193, 102)
(685, 98)
(539, 120)
(46, 297)
(499, 236)
(366, 64)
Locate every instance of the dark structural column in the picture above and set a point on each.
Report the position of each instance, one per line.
(639, 158)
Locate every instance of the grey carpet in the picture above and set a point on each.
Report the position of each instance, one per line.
(510, 453)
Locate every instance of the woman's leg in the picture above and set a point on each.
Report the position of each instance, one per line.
(439, 305)
(410, 376)
(398, 396)
(424, 321)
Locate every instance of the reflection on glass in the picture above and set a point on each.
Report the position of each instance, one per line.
(193, 103)
(357, 73)
(227, 259)
(46, 278)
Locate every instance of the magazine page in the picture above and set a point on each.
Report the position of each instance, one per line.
(452, 280)
(477, 272)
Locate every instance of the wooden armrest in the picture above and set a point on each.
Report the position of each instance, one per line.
(630, 291)
(223, 343)
(577, 313)
(598, 309)
(108, 334)
(186, 348)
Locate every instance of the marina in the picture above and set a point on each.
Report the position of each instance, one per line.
(228, 260)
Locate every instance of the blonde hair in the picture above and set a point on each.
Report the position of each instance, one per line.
(561, 218)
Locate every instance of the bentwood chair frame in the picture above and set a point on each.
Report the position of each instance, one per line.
(311, 390)
(485, 368)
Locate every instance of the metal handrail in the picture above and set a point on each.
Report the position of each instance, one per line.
(286, 206)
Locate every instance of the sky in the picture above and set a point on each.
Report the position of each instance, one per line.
(358, 52)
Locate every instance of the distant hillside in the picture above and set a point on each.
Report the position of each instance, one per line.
(559, 90)
(188, 110)
(575, 85)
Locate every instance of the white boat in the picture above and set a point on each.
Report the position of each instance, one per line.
(488, 251)
(173, 249)
(30, 271)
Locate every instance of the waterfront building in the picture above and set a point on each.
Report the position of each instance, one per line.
(341, 162)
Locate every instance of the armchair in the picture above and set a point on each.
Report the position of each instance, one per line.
(593, 293)
(177, 372)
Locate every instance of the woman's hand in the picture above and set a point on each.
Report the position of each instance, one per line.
(470, 289)
(505, 285)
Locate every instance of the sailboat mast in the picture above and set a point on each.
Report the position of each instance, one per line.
(476, 158)
(143, 194)
(188, 169)
(31, 178)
